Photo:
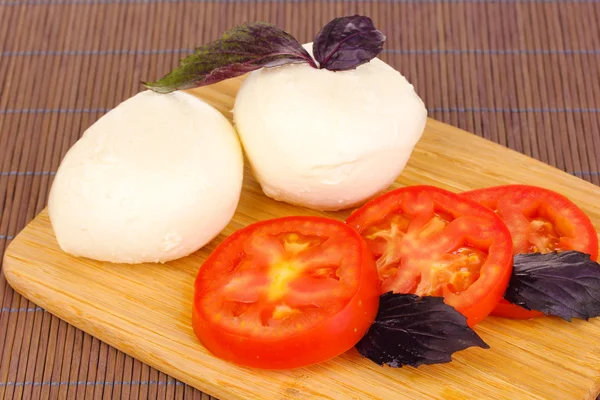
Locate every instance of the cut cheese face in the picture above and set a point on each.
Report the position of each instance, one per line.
(328, 140)
(153, 180)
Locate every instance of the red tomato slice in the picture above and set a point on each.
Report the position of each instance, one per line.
(539, 220)
(286, 293)
(431, 242)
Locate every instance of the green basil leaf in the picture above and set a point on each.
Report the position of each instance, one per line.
(240, 50)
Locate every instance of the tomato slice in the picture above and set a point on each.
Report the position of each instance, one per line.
(431, 242)
(539, 220)
(286, 293)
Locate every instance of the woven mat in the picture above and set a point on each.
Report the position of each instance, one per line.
(525, 74)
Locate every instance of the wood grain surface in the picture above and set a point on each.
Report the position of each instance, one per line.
(145, 310)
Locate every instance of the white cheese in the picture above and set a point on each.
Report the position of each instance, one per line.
(328, 140)
(153, 180)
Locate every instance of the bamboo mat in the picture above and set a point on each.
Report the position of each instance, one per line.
(525, 74)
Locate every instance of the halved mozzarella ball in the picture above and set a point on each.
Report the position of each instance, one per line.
(328, 140)
(153, 180)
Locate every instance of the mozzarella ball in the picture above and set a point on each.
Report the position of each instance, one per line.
(153, 180)
(328, 140)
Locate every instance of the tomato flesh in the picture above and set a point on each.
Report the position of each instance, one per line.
(286, 293)
(539, 220)
(431, 242)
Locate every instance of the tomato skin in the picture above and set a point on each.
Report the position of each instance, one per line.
(328, 339)
(512, 202)
(505, 309)
(480, 298)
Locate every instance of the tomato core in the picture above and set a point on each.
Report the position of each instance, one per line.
(395, 242)
(289, 281)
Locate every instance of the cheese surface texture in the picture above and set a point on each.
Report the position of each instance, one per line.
(328, 140)
(154, 179)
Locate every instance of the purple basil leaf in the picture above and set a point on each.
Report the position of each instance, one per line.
(347, 42)
(240, 50)
(413, 330)
(565, 284)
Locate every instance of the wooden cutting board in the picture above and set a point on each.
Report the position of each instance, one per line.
(145, 310)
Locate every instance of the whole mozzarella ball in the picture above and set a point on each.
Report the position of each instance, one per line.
(328, 140)
(153, 180)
